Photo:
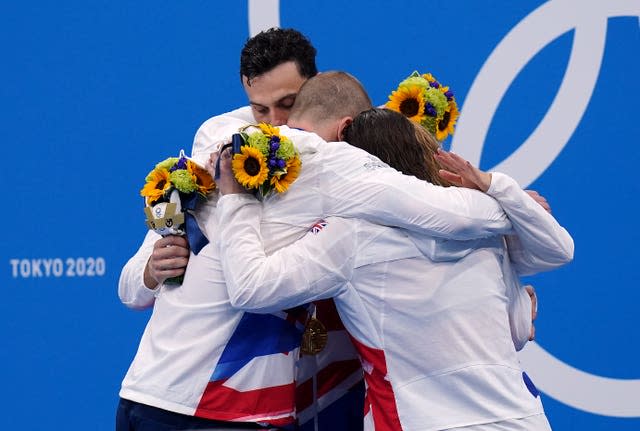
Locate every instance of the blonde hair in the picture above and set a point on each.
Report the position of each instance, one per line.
(431, 146)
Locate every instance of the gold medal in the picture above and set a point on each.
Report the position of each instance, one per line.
(314, 338)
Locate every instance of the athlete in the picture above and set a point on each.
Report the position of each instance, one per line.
(433, 337)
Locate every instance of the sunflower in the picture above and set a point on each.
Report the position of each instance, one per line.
(268, 129)
(409, 101)
(250, 167)
(281, 182)
(446, 125)
(429, 77)
(202, 178)
(156, 186)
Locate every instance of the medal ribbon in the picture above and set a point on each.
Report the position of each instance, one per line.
(196, 238)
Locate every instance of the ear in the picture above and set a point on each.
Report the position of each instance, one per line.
(344, 122)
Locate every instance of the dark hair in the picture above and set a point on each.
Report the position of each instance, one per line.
(397, 141)
(271, 48)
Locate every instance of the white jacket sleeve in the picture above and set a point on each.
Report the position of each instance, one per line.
(218, 130)
(315, 267)
(540, 243)
(518, 306)
(131, 289)
(356, 184)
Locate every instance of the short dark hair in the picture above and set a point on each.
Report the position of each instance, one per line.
(397, 141)
(270, 48)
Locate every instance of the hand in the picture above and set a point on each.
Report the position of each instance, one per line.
(460, 172)
(211, 164)
(534, 309)
(169, 259)
(226, 183)
(540, 199)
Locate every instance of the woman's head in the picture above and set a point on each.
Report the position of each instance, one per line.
(397, 141)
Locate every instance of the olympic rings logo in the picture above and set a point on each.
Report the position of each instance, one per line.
(571, 386)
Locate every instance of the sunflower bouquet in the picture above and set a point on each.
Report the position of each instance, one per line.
(266, 161)
(171, 191)
(424, 100)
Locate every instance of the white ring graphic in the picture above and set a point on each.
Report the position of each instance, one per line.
(576, 388)
(263, 14)
(524, 41)
(569, 385)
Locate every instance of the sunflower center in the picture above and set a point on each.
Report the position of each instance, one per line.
(252, 166)
(410, 107)
(442, 124)
(161, 184)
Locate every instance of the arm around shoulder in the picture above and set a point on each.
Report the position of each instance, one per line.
(311, 268)
(540, 243)
(216, 130)
(357, 184)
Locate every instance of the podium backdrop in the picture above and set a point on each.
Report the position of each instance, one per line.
(94, 93)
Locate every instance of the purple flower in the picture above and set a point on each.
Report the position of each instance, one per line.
(430, 110)
(274, 146)
(435, 84)
(449, 95)
(180, 164)
(272, 163)
(281, 163)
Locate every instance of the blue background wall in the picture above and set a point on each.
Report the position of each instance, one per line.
(94, 93)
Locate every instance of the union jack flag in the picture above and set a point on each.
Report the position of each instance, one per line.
(318, 226)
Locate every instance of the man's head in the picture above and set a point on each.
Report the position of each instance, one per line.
(273, 66)
(327, 103)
